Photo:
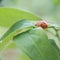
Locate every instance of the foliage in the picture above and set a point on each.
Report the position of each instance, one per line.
(22, 34)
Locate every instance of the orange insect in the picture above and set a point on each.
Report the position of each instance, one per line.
(42, 24)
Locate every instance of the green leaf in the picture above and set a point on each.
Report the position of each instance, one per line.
(54, 44)
(9, 16)
(17, 28)
(31, 40)
(35, 44)
(51, 33)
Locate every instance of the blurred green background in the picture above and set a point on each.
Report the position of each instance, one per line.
(47, 9)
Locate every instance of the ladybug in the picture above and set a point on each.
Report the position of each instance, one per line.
(42, 24)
